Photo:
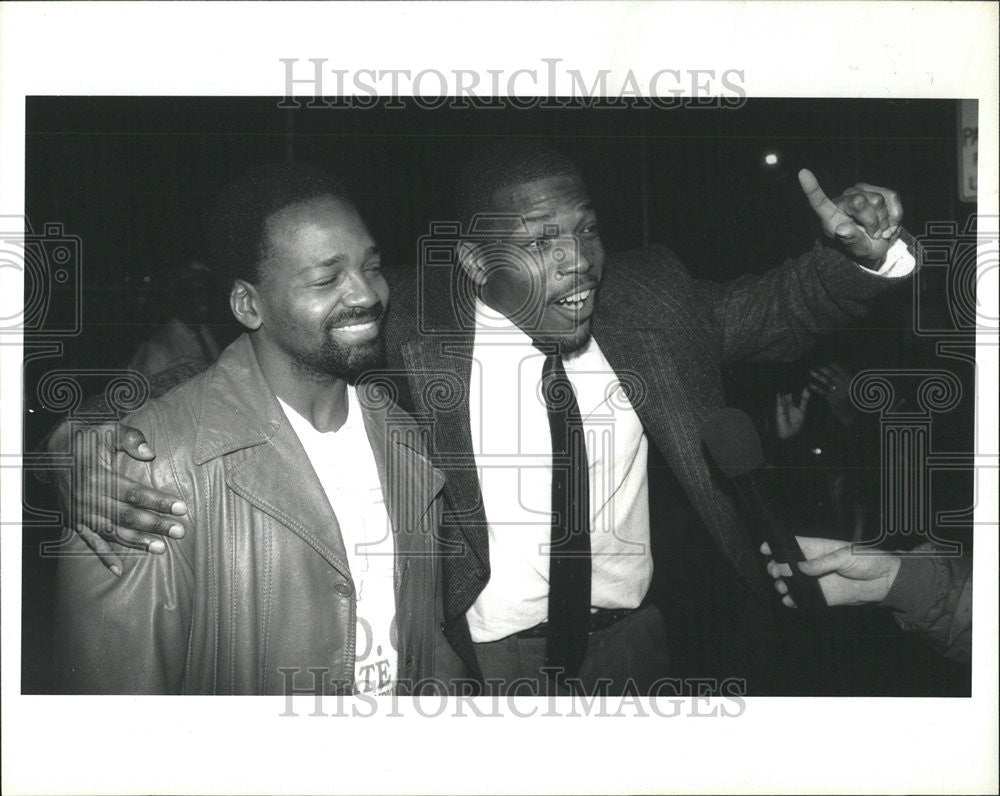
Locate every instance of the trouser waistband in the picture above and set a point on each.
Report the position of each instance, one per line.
(599, 620)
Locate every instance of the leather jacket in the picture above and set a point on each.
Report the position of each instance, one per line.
(258, 592)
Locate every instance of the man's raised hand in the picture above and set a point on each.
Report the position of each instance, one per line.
(789, 415)
(103, 506)
(864, 220)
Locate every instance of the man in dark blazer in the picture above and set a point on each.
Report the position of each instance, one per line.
(527, 253)
(528, 240)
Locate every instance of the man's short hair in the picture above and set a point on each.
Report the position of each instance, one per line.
(237, 243)
(502, 164)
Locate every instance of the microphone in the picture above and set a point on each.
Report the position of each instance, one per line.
(734, 446)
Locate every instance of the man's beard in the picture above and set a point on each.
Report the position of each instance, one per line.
(571, 343)
(342, 361)
(566, 342)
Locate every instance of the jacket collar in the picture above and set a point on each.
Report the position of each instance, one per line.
(239, 411)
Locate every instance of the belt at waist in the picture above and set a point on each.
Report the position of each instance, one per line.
(599, 620)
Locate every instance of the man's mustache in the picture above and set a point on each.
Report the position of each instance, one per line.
(357, 315)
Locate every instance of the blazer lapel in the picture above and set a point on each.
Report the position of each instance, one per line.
(439, 368)
(410, 483)
(672, 408)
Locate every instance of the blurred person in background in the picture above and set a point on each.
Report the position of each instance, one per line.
(828, 448)
(190, 336)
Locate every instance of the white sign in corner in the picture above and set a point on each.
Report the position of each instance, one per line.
(968, 149)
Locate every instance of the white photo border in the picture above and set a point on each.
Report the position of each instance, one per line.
(242, 745)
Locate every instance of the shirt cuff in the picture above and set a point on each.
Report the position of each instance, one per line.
(899, 261)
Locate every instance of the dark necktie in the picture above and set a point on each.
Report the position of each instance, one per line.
(569, 555)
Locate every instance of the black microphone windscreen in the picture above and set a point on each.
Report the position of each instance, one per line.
(732, 441)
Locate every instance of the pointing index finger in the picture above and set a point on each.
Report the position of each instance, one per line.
(815, 195)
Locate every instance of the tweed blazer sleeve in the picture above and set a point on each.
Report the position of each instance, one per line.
(777, 315)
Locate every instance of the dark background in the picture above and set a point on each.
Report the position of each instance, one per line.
(132, 177)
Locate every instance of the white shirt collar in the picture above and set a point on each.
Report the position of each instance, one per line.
(493, 321)
(302, 425)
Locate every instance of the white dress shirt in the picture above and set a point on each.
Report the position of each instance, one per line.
(513, 451)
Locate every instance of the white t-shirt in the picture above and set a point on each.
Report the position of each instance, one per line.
(345, 465)
(513, 449)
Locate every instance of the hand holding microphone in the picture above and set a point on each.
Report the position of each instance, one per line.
(845, 577)
(735, 447)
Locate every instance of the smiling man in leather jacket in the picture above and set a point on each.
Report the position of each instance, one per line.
(311, 505)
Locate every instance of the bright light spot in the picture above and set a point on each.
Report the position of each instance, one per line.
(817, 451)
(771, 159)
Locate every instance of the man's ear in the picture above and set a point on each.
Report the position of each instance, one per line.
(245, 303)
(471, 260)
